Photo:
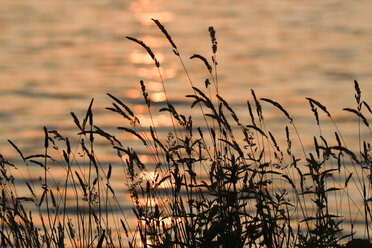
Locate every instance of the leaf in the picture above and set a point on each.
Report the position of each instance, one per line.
(348, 179)
(24, 199)
(122, 104)
(100, 242)
(358, 92)
(82, 184)
(53, 199)
(46, 142)
(251, 113)
(289, 180)
(17, 149)
(164, 31)
(279, 107)
(347, 151)
(37, 156)
(124, 227)
(202, 59)
(322, 107)
(37, 162)
(109, 172)
(76, 120)
(163, 180)
(359, 114)
(257, 129)
(42, 198)
(87, 115)
(68, 146)
(367, 106)
(29, 187)
(141, 43)
(332, 189)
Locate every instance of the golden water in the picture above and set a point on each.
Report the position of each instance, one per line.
(57, 55)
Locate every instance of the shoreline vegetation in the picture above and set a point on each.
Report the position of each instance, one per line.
(220, 183)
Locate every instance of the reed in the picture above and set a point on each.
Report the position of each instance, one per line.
(219, 183)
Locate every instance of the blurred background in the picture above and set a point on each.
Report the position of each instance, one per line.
(57, 55)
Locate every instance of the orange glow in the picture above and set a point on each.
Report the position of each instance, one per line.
(150, 73)
(158, 97)
(139, 109)
(154, 42)
(153, 74)
(160, 120)
(144, 10)
(143, 158)
(171, 71)
(137, 57)
(133, 93)
(154, 86)
(145, 17)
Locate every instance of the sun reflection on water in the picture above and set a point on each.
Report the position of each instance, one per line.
(138, 57)
(158, 97)
(47, 71)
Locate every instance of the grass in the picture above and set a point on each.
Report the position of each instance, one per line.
(220, 183)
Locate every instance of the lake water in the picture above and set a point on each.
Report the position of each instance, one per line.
(57, 55)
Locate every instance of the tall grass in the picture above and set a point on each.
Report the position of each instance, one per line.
(219, 183)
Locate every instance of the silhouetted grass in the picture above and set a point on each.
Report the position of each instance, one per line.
(221, 183)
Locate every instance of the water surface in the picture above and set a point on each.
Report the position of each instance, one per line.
(55, 56)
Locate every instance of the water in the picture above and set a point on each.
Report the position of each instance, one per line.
(55, 56)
